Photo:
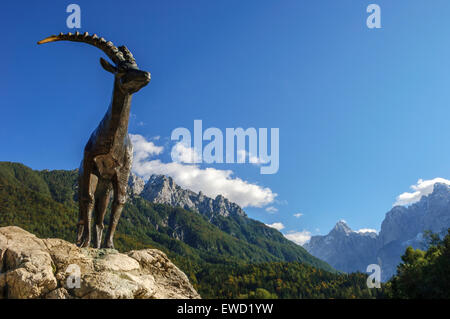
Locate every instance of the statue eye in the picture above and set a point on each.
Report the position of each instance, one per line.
(121, 71)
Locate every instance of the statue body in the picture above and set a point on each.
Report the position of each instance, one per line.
(108, 154)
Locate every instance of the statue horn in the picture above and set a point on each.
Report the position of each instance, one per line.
(107, 47)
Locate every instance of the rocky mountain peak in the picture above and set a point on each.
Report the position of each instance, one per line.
(439, 196)
(342, 227)
(403, 226)
(441, 188)
(162, 181)
(135, 185)
(162, 189)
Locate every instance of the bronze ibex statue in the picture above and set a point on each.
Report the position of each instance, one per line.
(108, 154)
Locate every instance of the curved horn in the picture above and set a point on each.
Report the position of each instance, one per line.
(107, 47)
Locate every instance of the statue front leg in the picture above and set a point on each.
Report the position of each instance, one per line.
(117, 208)
(87, 186)
(84, 225)
(120, 184)
(101, 205)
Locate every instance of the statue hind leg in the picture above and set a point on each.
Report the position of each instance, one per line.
(87, 185)
(102, 198)
(120, 198)
(119, 184)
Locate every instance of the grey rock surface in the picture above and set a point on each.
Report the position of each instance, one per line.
(349, 251)
(345, 249)
(40, 268)
(162, 189)
(135, 185)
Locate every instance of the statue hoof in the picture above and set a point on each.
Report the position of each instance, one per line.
(84, 242)
(109, 245)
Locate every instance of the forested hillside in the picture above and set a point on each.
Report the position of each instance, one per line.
(228, 258)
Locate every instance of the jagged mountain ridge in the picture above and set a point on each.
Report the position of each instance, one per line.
(350, 251)
(162, 189)
(229, 217)
(345, 249)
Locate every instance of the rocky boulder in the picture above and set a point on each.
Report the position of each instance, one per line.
(53, 268)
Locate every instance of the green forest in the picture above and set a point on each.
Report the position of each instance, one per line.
(225, 257)
(423, 274)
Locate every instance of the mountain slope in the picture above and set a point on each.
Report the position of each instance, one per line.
(345, 249)
(220, 212)
(26, 201)
(44, 203)
(348, 251)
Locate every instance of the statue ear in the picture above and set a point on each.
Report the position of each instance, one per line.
(108, 66)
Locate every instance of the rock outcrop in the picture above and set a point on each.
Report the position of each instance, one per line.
(162, 189)
(135, 185)
(53, 268)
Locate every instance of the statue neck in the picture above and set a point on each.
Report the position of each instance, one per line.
(119, 111)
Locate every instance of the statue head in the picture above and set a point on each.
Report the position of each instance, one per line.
(129, 78)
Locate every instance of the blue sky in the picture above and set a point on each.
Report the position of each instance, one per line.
(363, 114)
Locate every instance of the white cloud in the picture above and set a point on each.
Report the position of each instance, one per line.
(277, 226)
(366, 230)
(299, 237)
(422, 188)
(298, 215)
(210, 181)
(271, 209)
(184, 154)
(142, 148)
